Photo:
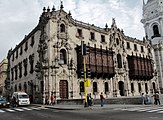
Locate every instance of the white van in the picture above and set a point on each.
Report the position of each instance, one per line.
(22, 98)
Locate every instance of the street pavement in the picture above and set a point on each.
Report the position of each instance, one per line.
(106, 106)
(79, 112)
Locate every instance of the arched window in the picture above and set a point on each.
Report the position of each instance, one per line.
(117, 41)
(20, 87)
(94, 87)
(154, 86)
(15, 88)
(62, 28)
(63, 59)
(119, 59)
(106, 87)
(132, 87)
(25, 86)
(139, 87)
(155, 30)
(146, 87)
(81, 86)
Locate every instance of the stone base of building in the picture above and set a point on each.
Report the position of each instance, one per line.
(117, 100)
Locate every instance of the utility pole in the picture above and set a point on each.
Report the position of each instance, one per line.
(84, 53)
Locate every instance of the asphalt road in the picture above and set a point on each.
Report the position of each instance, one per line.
(40, 113)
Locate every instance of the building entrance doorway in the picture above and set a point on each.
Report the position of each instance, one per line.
(63, 89)
(121, 88)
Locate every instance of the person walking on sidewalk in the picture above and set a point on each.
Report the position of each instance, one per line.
(52, 99)
(142, 98)
(157, 98)
(46, 100)
(102, 99)
(147, 99)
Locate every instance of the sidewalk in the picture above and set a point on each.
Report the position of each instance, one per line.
(81, 107)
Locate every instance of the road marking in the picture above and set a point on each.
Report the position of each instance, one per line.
(155, 110)
(18, 109)
(26, 109)
(10, 110)
(35, 108)
(22, 109)
(2, 111)
(160, 112)
(146, 109)
(43, 108)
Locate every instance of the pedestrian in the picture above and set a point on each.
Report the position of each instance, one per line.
(102, 99)
(88, 100)
(52, 99)
(147, 99)
(142, 98)
(157, 99)
(46, 100)
(14, 104)
(91, 99)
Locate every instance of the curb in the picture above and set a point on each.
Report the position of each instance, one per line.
(57, 108)
(88, 108)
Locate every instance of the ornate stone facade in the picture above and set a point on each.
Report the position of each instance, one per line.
(48, 60)
(153, 24)
(3, 75)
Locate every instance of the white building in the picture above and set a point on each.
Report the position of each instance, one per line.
(3, 75)
(153, 24)
(48, 60)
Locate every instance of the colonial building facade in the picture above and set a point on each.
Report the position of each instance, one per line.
(3, 75)
(49, 61)
(153, 24)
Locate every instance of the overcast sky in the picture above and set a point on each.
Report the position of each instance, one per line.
(19, 17)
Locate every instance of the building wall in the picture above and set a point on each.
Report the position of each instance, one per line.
(61, 79)
(3, 75)
(152, 15)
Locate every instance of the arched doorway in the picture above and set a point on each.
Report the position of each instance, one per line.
(63, 89)
(121, 88)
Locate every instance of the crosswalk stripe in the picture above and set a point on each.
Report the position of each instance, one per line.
(26, 109)
(36, 108)
(2, 111)
(10, 110)
(155, 110)
(21, 109)
(44, 108)
(160, 112)
(18, 109)
(145, 109)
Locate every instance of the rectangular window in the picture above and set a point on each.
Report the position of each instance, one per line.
(142, 49)
(21, 50)
(13, 57)
(102, 38)
(16, 53)
(79, 33)
(32, 41)
(26, 46)
(135, 47)
(149, 50)
(132, 87)
(128, 45)
(92, 34)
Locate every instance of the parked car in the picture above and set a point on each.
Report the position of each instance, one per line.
(21, 98)
(4, 102)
